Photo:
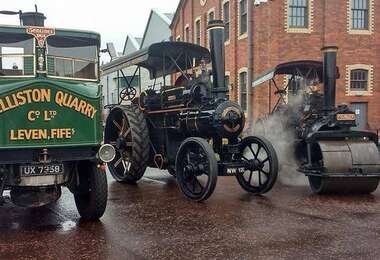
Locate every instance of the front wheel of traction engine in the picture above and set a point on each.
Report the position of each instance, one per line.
(127, 130)
(91, 191)
(196, 169)
(261, 169)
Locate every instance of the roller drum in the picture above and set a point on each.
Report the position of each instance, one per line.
(349, 167)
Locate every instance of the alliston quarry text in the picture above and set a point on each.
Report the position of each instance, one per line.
(37, 95)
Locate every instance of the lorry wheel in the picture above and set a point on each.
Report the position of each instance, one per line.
(91, 191)
(262, 172)
(127, 130)
(196, 169)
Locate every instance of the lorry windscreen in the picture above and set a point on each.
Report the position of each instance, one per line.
(16, 55)
(72, 58)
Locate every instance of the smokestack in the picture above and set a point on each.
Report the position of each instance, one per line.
(329, 76)
(216, 33)
(32, 19)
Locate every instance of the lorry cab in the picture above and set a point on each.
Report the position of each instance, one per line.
(50, 116)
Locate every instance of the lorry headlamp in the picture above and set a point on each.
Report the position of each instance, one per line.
(107, 153)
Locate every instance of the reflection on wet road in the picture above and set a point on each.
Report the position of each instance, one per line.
(152, 220)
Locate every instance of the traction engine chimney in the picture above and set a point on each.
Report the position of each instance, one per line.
(329, 76)
(216, 33)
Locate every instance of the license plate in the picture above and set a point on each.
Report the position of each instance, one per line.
(234, 171)
(346, 117)
(39, 170)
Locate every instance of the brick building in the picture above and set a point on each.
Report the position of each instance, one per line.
(279, 31)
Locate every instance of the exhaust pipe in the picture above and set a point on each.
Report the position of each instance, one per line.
(216, 34)
(32, 18)
(329, 76)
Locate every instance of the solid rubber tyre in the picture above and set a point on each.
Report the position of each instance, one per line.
(91, 192)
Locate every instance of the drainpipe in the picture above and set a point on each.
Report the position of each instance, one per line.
(250, 66)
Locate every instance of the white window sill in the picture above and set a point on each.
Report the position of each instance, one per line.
(243, 36)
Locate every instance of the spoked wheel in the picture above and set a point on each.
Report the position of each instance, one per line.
(127, 131)
(343, 185)
(196, 169)
(261, 169)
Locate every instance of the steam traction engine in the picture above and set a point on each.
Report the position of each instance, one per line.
(335, 157)
(191, 129)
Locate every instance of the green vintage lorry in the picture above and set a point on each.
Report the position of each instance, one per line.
(50, 116)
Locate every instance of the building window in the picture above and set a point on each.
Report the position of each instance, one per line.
(298, 14)
(187, 33)
(227, 84)
(243, 17)
(359, 80)
(243, 90)
(360, 14)
(211, 16)
(197, 32)
(226, 20)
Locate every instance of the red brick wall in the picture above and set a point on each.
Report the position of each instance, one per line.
(273, 45)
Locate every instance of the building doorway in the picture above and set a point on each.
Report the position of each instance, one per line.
(361, 111)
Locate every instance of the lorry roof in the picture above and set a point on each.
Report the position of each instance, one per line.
(58, 31)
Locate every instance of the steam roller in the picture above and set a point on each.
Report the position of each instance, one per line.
(329, 150)
(339, 159)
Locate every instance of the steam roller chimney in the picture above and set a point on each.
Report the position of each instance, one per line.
(216, 32)
(329, 76)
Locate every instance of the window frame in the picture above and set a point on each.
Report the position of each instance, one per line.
(23, 56)
(244, 34)
(310, 19)
(196, 32)
(187, 33)
(371, 23)
(96, 63)
(358, 73)
(227, 74)
(370, 80)
(210, 11)
(240, 88)
(227, 37)
(363, 20)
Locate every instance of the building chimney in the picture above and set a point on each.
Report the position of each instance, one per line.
(216, 33)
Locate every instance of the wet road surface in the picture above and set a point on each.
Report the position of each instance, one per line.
(152, 220)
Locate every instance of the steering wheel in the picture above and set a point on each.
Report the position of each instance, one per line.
(128, 93)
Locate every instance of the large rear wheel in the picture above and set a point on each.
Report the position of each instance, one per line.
(262, 165)
(196, 169)
(127, 130)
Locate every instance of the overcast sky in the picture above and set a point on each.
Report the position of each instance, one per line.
(113, 19)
